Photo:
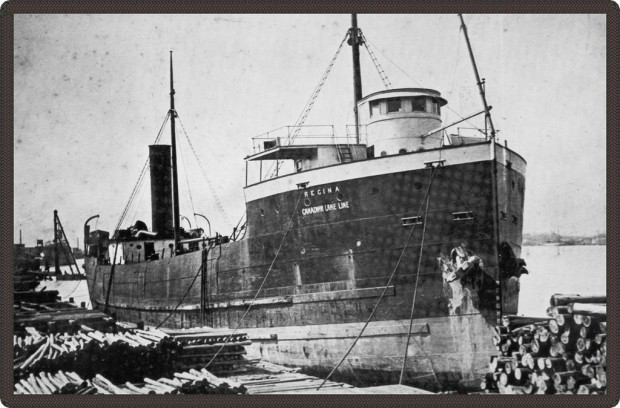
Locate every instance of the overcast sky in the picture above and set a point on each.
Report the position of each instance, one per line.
(91, 92)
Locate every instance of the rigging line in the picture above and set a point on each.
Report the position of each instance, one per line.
(382, 74)
(456, 62)
(393, 63)
(189, 190)
(413, 79)
(417, 281)
(288, 228)
(141, 177)
(218, 203)
(302, 117)
(136, 204)
(182, 299)
(309, 104)
(384, 289)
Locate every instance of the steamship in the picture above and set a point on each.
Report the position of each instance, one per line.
(404, 244)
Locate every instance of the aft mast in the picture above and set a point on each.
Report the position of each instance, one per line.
(175, 184)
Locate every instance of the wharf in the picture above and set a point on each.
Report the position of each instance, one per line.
(277, 379)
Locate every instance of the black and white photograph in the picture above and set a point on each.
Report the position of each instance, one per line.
(286, 204)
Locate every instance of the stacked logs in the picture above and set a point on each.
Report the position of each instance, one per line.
(58, 319)
(117, 363)
(192, 382)
(119, 356)
(199, 348)
(565, 353)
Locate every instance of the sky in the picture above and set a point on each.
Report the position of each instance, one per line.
(92, 91)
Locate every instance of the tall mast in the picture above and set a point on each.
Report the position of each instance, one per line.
(175, 185)
(480, 83)
(355, 39)
(56, 245)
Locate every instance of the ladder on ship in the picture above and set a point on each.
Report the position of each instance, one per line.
(345, 153)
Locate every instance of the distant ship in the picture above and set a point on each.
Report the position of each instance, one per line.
(409, 239)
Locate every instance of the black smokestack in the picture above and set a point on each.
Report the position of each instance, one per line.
(161, 190)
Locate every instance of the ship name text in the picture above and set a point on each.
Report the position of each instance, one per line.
(321, 191)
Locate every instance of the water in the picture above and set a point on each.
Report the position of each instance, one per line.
(579, 269)
(78, 290)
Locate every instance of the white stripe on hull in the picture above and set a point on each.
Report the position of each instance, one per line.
(383, 165)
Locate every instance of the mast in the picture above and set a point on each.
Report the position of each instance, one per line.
(56, 246)
(355, 39)
(175, 185)
(480, 83)
(494, 192)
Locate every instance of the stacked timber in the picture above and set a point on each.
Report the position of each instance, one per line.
(124, 361)
(564, 353)
(223, 349)
(128, 355)
(56, 318)
(191, 382)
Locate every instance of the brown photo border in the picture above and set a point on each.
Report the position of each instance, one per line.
(10, 8)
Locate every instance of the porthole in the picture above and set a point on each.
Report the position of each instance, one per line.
(262, 212)
(383, 153)
(374, 191)
(339, 197)
(402, 151)
(302, 250)
(358, 243)
(130, 245)
(277, 209)
(417, 185)
(139, 246)
(307, 202)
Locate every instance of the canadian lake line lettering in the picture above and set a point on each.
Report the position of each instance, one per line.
(325, 208)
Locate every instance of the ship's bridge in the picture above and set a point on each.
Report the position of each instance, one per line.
(391, 122)
(397, 121)
(291, 149)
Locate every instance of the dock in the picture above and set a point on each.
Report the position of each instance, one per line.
(288, 381)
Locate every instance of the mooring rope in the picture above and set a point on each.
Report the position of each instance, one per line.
(288, 228)
(182, 299)
(415, 290)
(387, 285)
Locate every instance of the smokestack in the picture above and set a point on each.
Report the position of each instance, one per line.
(161, 190)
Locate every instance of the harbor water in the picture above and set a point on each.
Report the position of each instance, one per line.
(574, 269)
(579, 269)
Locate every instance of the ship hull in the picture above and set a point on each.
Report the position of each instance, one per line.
(443, 353)
(318, 261)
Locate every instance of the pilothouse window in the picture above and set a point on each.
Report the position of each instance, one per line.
(393, 105)
(418, 104)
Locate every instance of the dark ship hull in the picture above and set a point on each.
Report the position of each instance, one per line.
(330, 249)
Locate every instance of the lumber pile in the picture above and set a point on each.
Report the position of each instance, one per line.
(127, 355)
(564, 353)
(192, 382)
(89, 361)
(200, 345)
(57, 318)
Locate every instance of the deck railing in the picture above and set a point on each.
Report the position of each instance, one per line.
(298, 136)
